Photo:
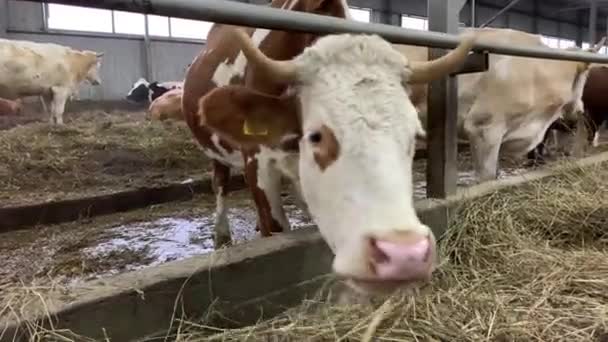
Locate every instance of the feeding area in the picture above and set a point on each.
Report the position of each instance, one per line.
(521, 263)
(168, 178)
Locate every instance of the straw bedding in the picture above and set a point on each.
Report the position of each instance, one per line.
(527, 264)
(96, 152)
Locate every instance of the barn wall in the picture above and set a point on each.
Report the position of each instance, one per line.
(123, 62)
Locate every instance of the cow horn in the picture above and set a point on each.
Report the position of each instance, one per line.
(599, 45)
(423, 72)
(100, 54)
(284, 71)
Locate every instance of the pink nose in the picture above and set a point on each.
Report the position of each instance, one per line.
(408, 257)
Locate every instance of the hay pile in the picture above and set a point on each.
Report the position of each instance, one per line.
(95, 152)
(526, 265)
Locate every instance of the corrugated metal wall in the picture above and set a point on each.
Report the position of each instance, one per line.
(123, 61)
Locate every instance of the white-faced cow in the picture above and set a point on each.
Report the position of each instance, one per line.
(346, 132)
(146, 92)
(222, 63)
(509, 107)
(51, 71)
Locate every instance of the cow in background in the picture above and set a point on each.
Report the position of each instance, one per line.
(595, 103)
(509, 107)
(9, 107)
(146, 92)
(50, 71)
(167, 106)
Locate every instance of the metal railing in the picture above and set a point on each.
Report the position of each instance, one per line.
(237, 13)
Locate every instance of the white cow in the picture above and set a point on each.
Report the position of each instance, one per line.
(509, 107)
(351, 128)
(51, 71)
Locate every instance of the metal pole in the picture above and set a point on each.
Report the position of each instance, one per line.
(473, 13)
(442, 117)
(236, 13)
(593, 22)
(499, 13)
(147, 50)
(4, 18)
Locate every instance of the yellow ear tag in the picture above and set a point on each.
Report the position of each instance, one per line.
(251, 129)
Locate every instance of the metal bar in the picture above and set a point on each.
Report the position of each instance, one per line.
(147, 50)
(4, 19)
(442, 117)
(473, 13)
(499, 13)
(593, 22)
(236, 13)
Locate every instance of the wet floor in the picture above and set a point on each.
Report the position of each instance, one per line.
(124, 242)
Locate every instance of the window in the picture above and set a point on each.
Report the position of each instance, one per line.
(158, 25)
(414, 23)
(129, 23)
(186, 28)
(550, 41)
(566, 43)
(360, 14)
(64, 17)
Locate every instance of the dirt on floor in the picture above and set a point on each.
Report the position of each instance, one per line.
(95, 152)
(112, 244)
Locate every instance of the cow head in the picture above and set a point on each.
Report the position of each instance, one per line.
(354, 128)
(92, 74)
(140, 92)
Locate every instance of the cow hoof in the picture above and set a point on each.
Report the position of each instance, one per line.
(221, 241)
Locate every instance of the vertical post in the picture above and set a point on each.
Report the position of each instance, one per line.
(386, 15)
(442, 104)
(473, 13)
(593, 22)
(4, 18)
(579, 28)
(147, 50)
(535, 18)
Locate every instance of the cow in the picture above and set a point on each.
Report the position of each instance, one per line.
(167, 106)
(596, 102)
(51, 71)
(143, 91)
(9, 107)
(596, 113)
(345, 132)
(221, 63)
(509, 107)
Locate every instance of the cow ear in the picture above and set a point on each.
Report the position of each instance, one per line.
(246, 118)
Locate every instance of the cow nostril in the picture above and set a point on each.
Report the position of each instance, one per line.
(376, 254)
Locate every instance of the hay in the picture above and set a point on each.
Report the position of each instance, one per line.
(527, 264)
(94, 153)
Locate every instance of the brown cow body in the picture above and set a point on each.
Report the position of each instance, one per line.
(167, 106)
(595, 101)
(9, 107)
(222, 63)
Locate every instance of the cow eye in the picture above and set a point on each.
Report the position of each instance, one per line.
(315, 137)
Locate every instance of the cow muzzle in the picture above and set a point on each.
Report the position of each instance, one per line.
(399, 260)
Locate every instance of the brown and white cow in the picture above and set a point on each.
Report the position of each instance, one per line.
(51, 71)
(509, 107)
(346, 131)
(222, 63)
(9, 107)
(167, 106)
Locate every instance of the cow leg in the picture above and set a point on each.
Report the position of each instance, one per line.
(221, 176)
(596, 136)
(46, 100)
(264, 184)
(60, 96)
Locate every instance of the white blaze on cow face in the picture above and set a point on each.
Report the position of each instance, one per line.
(358, 129)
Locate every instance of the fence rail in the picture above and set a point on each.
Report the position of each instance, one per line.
(237, 13)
